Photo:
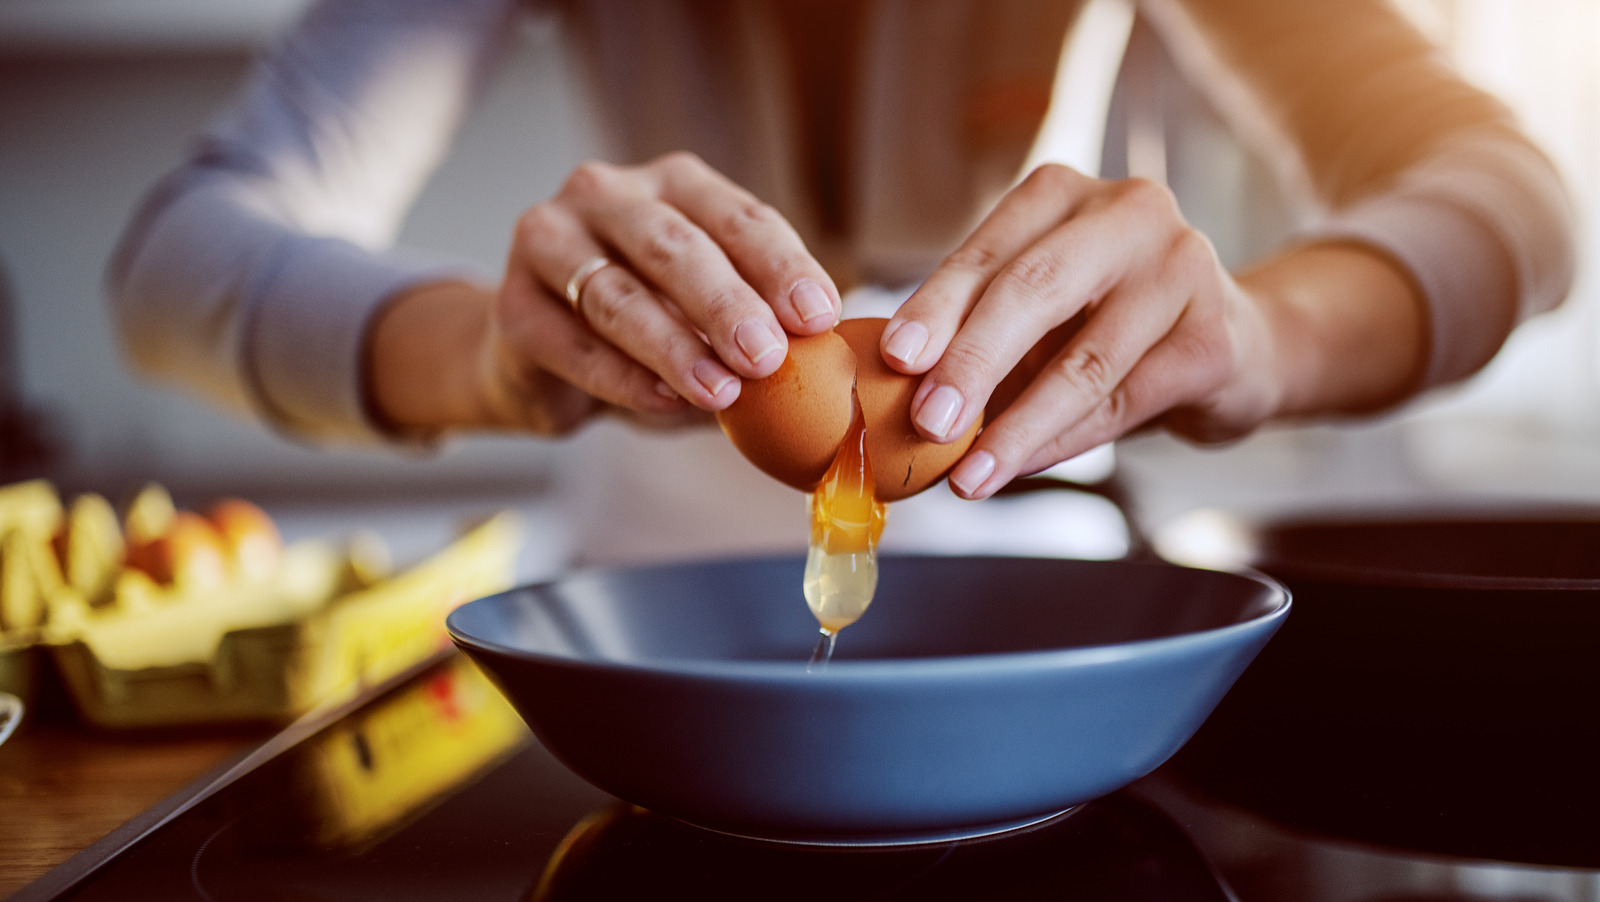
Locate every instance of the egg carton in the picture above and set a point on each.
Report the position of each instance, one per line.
(277, 671)
(135, 652)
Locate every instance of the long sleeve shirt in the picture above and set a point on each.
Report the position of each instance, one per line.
(252, 272)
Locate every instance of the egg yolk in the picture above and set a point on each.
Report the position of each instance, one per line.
(846, 523)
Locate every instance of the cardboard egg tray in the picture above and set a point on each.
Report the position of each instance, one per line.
(316, 630)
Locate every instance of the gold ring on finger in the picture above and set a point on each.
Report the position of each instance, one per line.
(581, 276)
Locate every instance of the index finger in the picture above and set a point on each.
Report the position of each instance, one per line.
(917, 334)
(1074, 266)
(761, 244)
(677, 260)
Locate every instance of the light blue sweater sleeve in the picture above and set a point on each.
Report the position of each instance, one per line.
(250, 273)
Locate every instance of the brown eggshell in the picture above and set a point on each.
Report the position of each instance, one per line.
(790, 424)
(253, 542)
(191, 553)
(903, 462)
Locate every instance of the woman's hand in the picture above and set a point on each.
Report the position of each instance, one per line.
(704, 284)
(1081, 309)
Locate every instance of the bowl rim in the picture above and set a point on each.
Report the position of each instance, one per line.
(1419, 518)
(911, 669)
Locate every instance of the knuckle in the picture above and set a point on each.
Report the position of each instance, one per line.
(681, 353)
(1032, 276)
(975, 258)
(964, 362)
(1193, 254)
(1113, 416)
(536, 226)
(1052, 178)
(606, 302)
(749, 217)
(680, 160)
(1147, 194)
(1115, 409)
(786, 272)
(669, 241)
(589, 179)
(1017, 438)
(1054, 451)
(1089, 370)
(1209, 351)
(725, 308)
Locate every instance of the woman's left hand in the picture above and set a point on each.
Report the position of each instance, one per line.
(1107, 311)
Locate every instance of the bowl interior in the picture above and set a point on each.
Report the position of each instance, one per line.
(753, 610)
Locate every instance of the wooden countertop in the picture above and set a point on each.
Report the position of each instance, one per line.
(63, 787)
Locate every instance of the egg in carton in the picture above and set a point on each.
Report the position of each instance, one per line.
(173, 617)
(214, 619)
(30, 514)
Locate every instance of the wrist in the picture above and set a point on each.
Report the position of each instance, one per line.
(1347, 326)
(421, 361)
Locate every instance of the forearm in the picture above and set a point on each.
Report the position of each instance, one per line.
(1404, 156)
(253, 270)
(1348, 327)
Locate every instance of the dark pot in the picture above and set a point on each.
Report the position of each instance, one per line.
(1437, 687)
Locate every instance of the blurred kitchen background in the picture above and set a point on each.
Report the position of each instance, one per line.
(100, 97)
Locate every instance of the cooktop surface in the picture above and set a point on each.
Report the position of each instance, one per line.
(435, 789)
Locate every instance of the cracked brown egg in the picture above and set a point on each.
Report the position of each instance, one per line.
(792, 424)
(835, 421)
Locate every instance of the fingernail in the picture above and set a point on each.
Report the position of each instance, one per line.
(970, 474)
(810, 301)
(756, 340)
(665, 390)
(713, 377)
(907, 341)
(939, 410)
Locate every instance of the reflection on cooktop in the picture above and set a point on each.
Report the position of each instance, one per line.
(1117, 848)
(436, 790)
(1263, 860)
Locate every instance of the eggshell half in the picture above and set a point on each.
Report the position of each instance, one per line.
(903, 462)
(790, 424)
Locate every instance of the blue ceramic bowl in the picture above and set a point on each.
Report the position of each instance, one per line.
(976, 694)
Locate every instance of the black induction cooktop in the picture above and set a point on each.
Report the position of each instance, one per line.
(434, 789)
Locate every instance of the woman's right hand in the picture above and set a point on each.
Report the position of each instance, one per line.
(704, 284)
